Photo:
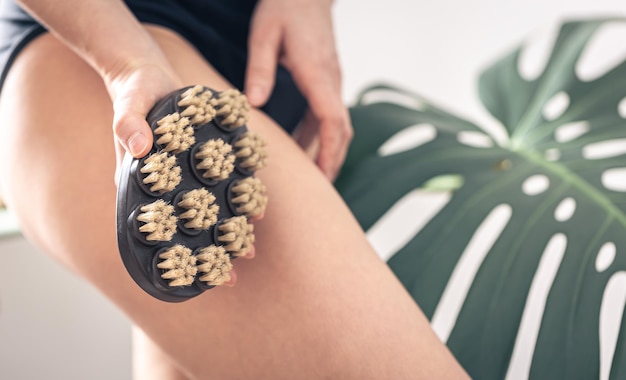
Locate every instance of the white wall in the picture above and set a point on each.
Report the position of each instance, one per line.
(438, 48)
(54, 326)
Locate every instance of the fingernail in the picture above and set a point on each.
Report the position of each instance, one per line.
(231, 281)
(137, 144)
(257, 218)
(251, 254)
(331, 174)
(255, 95)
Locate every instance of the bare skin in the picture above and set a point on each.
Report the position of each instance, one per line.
(150, 362)
(316, 302)
(299, 34)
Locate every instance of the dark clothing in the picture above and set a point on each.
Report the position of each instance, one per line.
(218, 29)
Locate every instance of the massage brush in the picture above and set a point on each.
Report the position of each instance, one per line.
(183, 210)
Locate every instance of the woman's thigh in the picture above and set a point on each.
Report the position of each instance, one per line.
(315, 302)
(150, 362)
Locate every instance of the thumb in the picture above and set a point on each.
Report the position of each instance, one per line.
(130, 127)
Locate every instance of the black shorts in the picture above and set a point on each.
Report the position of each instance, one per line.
(217, 28)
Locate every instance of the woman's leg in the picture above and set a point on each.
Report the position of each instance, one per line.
(150, 362)
(315, 302)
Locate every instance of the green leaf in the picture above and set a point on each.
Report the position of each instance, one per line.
(577, 209)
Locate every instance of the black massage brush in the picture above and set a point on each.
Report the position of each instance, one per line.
(183, 209)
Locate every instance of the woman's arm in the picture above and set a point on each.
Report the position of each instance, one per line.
(111, 40)
(297, 33)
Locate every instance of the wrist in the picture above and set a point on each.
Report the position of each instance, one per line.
(103, 33)
(119, 70)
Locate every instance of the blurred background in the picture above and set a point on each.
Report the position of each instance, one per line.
(53, 325)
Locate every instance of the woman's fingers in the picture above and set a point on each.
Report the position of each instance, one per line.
(264, 47)
(320, 80)
(331, 121)
(299, 34)
(335, 137)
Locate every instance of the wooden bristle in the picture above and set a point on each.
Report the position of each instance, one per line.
(198, 105)
(179, 265)
(163, 175)
(214, 265)
(201, 209)
(216, 160)
(175, 132)
(237, 235)
(250, 150)
(233, 110)
(159, 221)
(249, 195)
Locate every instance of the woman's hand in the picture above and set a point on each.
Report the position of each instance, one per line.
(112, 41)
(134, 89)
(299, 34)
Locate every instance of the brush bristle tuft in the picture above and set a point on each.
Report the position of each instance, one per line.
(250, 149)
(175, 133)
(233, 110)
(159, 221)
(237, 235)
(216, 160)
(162, 172)
(199, 105)
(214, 265)
(250, 197)
(179, 265)
(201, 209)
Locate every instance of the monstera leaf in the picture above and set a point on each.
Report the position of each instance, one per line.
(515, 248)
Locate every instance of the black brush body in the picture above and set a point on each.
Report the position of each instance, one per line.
(141, 256)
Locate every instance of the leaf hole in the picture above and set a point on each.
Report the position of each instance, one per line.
(621, 108)
(606, 256)
(404, 220)
(536, 52)
(604, 51)
(391, 96)
(565, 210)
(444, 182)
(466, 269)
(570, 131)
(611, 319)
(535, 184)
(614, 179)
(407, 139)
(604, 149)
(474, 139)
(536, 301)
(556, 106)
